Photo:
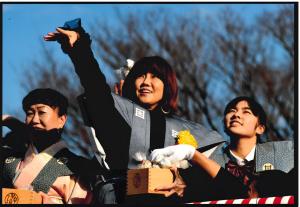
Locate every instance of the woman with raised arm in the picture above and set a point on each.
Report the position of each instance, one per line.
(140, 121)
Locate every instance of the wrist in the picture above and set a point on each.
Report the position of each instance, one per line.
(192, 153)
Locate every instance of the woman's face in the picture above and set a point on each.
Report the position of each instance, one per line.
(149, 90)
(43, 117)
(241, 121)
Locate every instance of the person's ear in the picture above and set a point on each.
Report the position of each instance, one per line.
(260, 129)
(62, 120)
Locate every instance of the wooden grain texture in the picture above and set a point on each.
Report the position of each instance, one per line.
(144, 181)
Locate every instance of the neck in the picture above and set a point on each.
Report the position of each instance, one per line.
(242, 146)
(152, 107)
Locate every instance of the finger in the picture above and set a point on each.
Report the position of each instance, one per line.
(63, 31)
(169, 193)
(180, 194)
(121, 83)
(164, 187)
(53, 33)
(50, 39)
(174, 170)
(121, 86)
(52, 36)
(116, 90)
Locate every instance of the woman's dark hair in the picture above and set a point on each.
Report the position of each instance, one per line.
(48, 97)
(254, 106)
(161, 68)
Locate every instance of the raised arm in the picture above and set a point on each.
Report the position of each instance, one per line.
(100, 103)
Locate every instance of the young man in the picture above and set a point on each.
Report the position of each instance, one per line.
(244, 168)
(46, 166)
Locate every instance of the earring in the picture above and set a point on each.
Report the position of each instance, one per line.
(165, 112)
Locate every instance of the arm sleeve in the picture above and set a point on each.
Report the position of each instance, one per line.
(104, 116)
(227, 186)
(201, 187)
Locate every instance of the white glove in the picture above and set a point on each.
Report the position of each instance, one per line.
(172, 154)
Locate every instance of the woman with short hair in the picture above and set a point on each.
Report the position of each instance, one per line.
(141, 123)
(47, 166)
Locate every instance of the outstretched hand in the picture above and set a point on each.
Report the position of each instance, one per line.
(61, 35)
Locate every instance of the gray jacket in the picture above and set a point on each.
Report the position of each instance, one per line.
(138, 119)
(277, 155)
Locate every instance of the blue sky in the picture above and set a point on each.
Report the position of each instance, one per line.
(25, 24)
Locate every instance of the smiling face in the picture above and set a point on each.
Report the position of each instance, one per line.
(149, 90)
(43, 117)
(241, 122)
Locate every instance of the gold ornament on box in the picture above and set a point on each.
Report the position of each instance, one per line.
(185, 137)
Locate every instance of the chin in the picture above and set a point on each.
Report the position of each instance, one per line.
(234, 133)
(145, 101)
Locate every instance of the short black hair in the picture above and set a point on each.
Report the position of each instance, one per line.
(48, 97)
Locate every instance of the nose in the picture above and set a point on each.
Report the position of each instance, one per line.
(236, 114)
(147, 79)
(35, 119)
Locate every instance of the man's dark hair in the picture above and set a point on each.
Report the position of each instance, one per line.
(48, 97)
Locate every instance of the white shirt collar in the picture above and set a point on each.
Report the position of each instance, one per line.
(249, 157)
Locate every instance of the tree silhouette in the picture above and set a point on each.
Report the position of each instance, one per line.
(216, 58)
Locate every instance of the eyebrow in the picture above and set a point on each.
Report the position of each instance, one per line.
(39, 107)
(246, 108)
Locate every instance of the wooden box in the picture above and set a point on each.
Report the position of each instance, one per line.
(144, 181)
(18, 196)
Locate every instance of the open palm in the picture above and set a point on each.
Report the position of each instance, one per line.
(72, 36)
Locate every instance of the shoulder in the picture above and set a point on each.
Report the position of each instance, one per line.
(284, 147)
(277, 155)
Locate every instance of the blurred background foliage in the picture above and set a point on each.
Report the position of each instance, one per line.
(216, 58)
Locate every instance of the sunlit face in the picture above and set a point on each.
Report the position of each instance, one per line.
(43, 117)
(240, 121)
(149, 90)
